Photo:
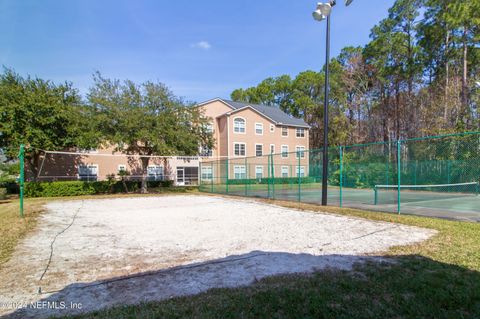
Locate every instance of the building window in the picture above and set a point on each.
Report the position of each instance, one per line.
(239, 149)
(284, 171)
(300, 152)
(239, 172)
(239, 125)
(88, 172)
(272, 148)
(258, 149)
(284, 131)
(258, 128)
(301, 171)
(272, 128)
(300, 132)
(155, 173)
(285, 151)
(207, 173)
(258, 172)
(122, 168)
(205, 151)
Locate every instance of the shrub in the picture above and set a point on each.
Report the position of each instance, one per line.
(77, 188)
(168, 183)
(11, 187)
(3, 193)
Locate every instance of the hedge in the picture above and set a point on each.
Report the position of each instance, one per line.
(77, 188)
(3, 193)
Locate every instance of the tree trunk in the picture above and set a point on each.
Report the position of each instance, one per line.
(33, 161)
(465, 73)
(124, 183)
(143, 188)
(447, 80)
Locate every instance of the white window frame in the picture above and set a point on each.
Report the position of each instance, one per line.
(284, 154)
(302, 151)
(261, 125)
(244, 149)
(121, 167)
(272, 151)
(88, 165)
(162, 169)
(272, 128)
(299, 173)
(288, 171)
(210, 174)
(238, 167)
(258, 144)
(297, 130)
(286, 128)
(256, 171)
(244, 125)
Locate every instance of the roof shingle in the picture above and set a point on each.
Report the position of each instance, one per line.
(272, 112)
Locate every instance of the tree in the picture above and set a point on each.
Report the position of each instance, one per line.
(147, 119)
(40, 114)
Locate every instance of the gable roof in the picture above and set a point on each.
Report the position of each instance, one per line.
(271, 112)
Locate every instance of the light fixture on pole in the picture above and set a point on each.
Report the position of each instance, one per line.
(321, 13)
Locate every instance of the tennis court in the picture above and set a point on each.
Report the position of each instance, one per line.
(437, 176)
(451, 205)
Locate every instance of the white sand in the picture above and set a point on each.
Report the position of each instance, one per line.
(187, 244)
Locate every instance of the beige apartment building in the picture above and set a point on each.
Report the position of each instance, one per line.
(241, 131)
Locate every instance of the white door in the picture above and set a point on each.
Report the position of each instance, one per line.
(180, 177)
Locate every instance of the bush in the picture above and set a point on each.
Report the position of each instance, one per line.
(3, 193)
(11, 187)
(77, 188)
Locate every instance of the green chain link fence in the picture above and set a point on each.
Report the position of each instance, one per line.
(427, 176)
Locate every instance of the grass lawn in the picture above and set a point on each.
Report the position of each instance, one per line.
(439, 278)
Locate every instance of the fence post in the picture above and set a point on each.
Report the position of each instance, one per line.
(21, 156)
(399, 166)
(211, 178)
(246, 177)
(299, 178)
(448, 172)
(341, 176)
(269, 177)
(273, 177)
(226, 182)
(200, 174)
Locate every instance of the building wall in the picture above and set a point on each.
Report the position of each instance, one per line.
(213, 110)
(226, 137)
(58, 167)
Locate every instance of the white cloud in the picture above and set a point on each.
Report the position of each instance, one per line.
(204, 45)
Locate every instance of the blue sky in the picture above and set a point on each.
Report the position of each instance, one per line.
(200, 50)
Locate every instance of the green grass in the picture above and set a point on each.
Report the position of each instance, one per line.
(13, 228)
(438, 278)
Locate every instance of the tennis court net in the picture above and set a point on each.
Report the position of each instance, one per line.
(390, 194)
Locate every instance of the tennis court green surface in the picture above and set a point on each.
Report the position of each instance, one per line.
(452, 205)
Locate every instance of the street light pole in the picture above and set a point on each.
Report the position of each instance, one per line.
(323, 12)
(325, 119)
